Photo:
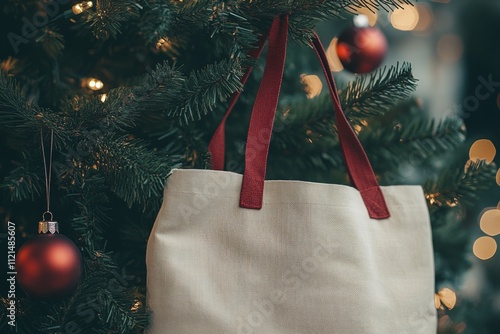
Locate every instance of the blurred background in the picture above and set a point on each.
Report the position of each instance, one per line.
(454, 48)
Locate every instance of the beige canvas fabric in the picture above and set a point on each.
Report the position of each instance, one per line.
(311, 261)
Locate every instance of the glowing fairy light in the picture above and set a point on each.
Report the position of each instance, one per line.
(93, 83)
(81, 7)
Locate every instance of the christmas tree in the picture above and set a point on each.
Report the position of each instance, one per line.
(133, 89)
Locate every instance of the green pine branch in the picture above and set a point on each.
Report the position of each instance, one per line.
(103, 303)
(118, 307)
(20, 115)
(109, 16)
(151, 94)
(190, 17)
(367, 96)
(412, 136)
(24, 182)
(306, 14)
(448, 195)
(204, 88)
(157, 21)
(231, 29)
(374, 95)
(52, 42)
(89, 193)
(158, 91)
(459, 186)
(134, 173)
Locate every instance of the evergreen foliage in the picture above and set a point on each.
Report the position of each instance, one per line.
(168, 69)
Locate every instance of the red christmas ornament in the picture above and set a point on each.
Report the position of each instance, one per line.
(50, 265)
(361, 49)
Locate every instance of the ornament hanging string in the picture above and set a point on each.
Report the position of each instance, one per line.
(47, 171)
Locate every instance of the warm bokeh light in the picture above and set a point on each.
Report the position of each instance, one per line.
(405, 18)
(498, 177)
(93, 83)
(483, 149)
(445, 298)
(312, 85)
(81, 7)
(425, 17)
(370, 16)
(485, 248)
(450, 48)
(162, 42)
(490, 222)
(333, 58)
(136, 306)
(103, 97)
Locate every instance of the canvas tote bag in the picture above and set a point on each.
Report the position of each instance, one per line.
(232, 254)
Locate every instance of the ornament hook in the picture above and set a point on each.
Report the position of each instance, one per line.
(47, 213)
(47, 171)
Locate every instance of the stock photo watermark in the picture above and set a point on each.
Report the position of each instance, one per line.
(90, 309)
(292, 279)
(483, 91)
(11, 273)
(32, 26)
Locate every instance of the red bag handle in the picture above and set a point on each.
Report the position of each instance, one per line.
(217, 146)
(358, 166)
(262, 120)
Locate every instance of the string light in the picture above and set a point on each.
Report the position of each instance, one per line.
(161, 42)
(103, 97)
(81, 7)
(136, 306)
(93, 83)
(166, 45)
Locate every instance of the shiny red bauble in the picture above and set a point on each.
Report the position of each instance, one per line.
(49, 266)
(361, 50)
